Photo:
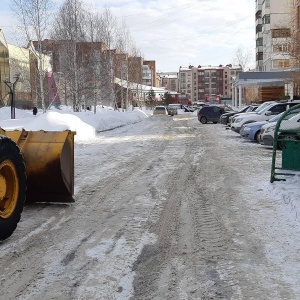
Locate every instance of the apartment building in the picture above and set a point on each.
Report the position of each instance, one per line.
(149, 73)
(169, 80)
(199, 83)
(21, 61)
(273, 34)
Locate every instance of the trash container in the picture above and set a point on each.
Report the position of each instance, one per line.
(291, 155)
(286, 139)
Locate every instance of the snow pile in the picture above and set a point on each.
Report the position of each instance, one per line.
(86, 124)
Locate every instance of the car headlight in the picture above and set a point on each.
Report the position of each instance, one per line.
(246, 128)
(238, 120)
(271, 128)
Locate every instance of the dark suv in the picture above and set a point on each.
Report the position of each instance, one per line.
(210, 113)
(172, 110)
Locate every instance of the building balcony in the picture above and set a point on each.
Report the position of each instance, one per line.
(258, 22)
(266, 28)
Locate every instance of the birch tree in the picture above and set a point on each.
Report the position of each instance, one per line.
(34, 15)
(125, 45)
(107, 34)
(69, 29)
(243, 56)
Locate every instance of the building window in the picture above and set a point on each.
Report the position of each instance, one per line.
(281, 48)
(259, 42)
(281, 63)
(281, 33)
(266, 19)
(259, 56)
(258, 15)
(258, 28)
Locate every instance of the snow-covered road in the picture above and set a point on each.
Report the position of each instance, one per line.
(164, 209)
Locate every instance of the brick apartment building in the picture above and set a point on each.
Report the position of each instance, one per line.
(198, 83)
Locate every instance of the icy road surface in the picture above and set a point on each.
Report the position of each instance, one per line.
(166, 209)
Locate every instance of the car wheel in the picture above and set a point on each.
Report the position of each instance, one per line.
(256, 137)
(203, 120)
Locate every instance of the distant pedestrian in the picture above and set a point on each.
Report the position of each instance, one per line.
(34, 111)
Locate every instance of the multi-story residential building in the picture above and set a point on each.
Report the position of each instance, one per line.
(169, 80)
(20, 62)
(273, 33)
(149, 73)
(199, 83)
(185, 81)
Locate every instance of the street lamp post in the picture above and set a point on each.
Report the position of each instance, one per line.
(12, 87)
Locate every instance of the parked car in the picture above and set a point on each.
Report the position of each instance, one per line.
(172, 110)
(267, 113)
(258, 109)
(290, 122)
(160, 110)
(224, 119)
(176, 105)
(210, 113)
(188, 108)
(251, 131)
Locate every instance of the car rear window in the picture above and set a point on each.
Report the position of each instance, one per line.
(159, 108)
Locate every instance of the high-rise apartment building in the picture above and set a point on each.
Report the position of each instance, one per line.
(273, 34)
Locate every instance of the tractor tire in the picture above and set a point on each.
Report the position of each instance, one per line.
(12, 186)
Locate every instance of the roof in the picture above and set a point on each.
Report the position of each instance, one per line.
(273, 78)
(142, 87)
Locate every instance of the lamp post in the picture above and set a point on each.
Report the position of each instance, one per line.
(12, 87)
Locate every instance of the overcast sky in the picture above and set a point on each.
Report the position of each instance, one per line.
(177, 33)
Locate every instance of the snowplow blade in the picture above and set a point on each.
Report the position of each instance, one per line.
(49, 163)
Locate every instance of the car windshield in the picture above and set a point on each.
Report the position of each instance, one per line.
(287, 117)
(262, 111)
(159, 108)
(263, 107)
(276, 118)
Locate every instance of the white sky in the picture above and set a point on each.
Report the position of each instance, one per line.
(177, 33)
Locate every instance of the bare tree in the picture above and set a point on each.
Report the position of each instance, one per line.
(108, 36)
(243, 56)
(34, 16)
(69, 29)
(126, 45)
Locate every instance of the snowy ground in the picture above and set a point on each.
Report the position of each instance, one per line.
(165, 208)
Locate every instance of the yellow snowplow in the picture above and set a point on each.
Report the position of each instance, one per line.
(36, 166)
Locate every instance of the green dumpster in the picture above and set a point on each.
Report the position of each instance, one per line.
(291, 155)
(286, 139)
